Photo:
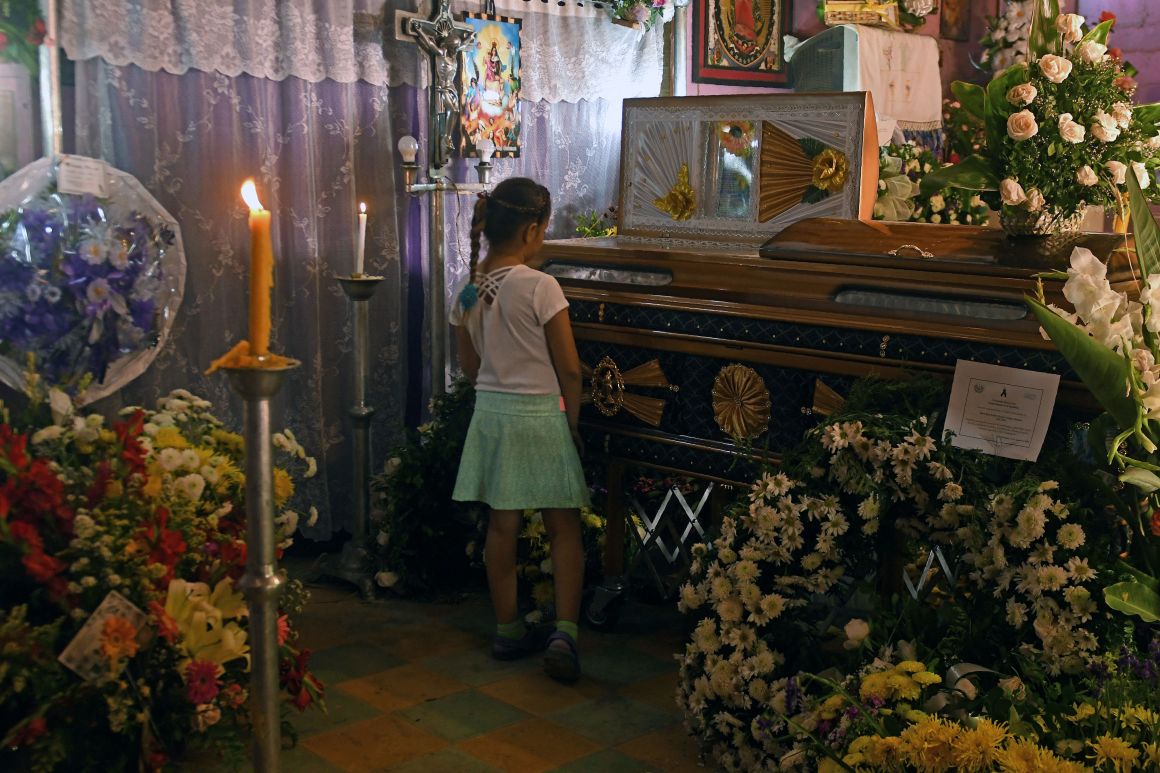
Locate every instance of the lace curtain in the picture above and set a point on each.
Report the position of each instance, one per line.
(315, 151)
(570, 51)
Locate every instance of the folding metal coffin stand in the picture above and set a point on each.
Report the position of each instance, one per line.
(604, 601)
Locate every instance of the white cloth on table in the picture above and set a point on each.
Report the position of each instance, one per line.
(901, 71)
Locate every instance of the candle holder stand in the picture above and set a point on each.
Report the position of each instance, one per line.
(352, 564)
(262, 582)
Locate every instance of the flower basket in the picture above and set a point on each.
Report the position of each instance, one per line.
(1017, 221)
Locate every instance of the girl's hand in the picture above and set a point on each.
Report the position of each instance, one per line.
(579, 441)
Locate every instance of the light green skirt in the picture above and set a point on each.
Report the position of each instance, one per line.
(519, 455)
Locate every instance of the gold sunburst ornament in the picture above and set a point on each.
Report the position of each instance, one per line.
(740, 402)
(830, 170)
(681, 201)
(606, 389)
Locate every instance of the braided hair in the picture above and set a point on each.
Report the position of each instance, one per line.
(511, 206)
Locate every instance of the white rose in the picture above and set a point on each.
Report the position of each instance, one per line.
(1122, 113)
(1104, 134)
(1023, 94)
(856, 631)
(1119, 172)
(1091, 51)
(1022, 126)
(1154, 142)
(937, 203)
(1086, 176)
(1069, 130)
(1070, 25)
(1011, 192)
(1035, 200)
(1142, 175)
(1054, 68)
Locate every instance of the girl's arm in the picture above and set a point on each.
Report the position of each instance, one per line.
(566, 361)
(468, 357)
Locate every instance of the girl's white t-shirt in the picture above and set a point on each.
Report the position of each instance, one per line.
(508, 332)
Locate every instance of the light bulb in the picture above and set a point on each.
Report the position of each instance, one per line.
(408, 148)
(486, 148)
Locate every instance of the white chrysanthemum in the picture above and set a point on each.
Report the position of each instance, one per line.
(730, 610)
(190, 486)
(169, 459)
(1070, 536)
(1016, 613)
(1052, 577)
(190, 460)
(1079, 570)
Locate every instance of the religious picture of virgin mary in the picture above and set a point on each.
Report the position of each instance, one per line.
(740, 41)
(490, 85)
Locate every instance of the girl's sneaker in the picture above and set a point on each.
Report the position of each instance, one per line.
(562, 659)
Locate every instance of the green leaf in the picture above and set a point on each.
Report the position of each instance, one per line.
(1144, 228)
(1147, 579)
(973, 173)
(1144, 480)
(1134, 598)
(998, 108)
(1104, 372)
(1099, 33)
(1043, 38)
(1148, 116)
(972, 97)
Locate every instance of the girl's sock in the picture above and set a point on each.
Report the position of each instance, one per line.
(514, 630)
(568, 627)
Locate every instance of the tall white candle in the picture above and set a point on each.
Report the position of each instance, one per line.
(362, 238)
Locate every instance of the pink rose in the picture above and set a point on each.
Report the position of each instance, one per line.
(1054, 68)
(1086, 176)
(1035, 200)
(1023, 94)
(1070, 25)
(1022, 126)
(1012, 192)
(1119, 172)
(1069, 130)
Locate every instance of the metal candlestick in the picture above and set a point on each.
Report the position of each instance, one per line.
(262, 582)
(353, 566)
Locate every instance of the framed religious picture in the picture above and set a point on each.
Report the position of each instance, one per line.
(954, 21)
(490, 85)
(739, 42)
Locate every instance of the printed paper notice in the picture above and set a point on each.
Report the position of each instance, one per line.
(78, 175)
(1001, 411)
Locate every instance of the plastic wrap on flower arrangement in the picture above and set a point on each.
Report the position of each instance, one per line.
(92, 273)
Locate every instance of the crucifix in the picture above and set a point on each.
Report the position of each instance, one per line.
(444, 40)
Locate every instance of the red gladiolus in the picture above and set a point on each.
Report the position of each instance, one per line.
(128, 433)
(41, 566)
(37, 34)
(283, 629)
(166, 545)
(166, 625)
(32, 730)
(1108, 16)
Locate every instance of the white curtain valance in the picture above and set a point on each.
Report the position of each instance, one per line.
(570, 52)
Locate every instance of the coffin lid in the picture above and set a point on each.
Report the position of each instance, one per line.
(943, 249)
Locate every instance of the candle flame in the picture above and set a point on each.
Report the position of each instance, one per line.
(250, 196)
(362, 207)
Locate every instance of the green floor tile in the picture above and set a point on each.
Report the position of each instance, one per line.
(611, 719)
(607, 761)
(618, 666)
(299, 760)
(350, 661)
(463, 715)
(446, 761)
(341, 709)
(477, 667)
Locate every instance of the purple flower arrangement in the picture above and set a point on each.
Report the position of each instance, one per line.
(79, 286)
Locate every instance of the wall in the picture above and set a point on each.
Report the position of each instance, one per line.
(1136, 36)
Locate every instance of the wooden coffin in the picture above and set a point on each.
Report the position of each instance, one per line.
(704, 355)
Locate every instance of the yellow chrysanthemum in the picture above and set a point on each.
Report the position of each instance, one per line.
(283, 486)
(831, 706)
(1109, 750)
(978, 748)
(152, 487)
(903, 687)
(910, 666)
(928, 745)
(882, 751)
(926, 678)
(1022, 756)
(230, 441)
(169, 437)
(874, 686)
(827, 765)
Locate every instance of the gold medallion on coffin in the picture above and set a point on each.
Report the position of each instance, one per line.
(606, 389)
(740, 402)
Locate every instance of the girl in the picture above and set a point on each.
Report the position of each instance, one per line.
(515, 344)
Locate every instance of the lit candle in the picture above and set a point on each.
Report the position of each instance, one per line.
(261, 271)
(362, 238)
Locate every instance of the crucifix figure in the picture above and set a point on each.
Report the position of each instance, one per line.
(444, 40)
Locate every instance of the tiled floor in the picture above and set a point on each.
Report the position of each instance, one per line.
(411, 687)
